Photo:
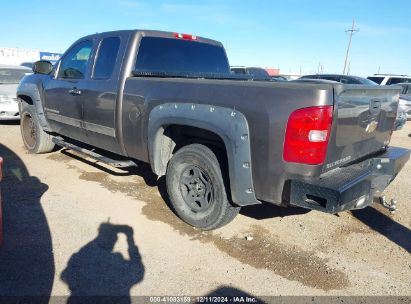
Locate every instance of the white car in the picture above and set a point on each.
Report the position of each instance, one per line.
(10, 77)
(388, 79)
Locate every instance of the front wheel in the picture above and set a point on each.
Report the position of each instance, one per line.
(34, 138)
(195, 185)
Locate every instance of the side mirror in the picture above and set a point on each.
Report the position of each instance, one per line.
(42, 67)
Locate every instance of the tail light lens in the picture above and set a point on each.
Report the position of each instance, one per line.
(307, 134)
(185, 36)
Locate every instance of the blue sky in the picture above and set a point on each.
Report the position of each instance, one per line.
(290, 35)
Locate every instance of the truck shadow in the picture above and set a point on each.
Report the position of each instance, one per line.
(10, 122)
(385, 225)
(259, 212)
(268, 210)
(26, 257)
(143, 170)
(97, 274)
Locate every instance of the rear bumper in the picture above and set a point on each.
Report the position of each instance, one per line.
(351, 187)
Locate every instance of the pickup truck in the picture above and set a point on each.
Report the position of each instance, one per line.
(222, 141)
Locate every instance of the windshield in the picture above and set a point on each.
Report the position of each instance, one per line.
(11, 76)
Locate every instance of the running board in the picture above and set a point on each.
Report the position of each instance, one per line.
(109, 161)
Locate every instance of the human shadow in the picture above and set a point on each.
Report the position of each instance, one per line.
(385, 225)
(97, 274)
(26, 256)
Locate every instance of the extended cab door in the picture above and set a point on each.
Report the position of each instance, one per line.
(63, 92)
(102, 92)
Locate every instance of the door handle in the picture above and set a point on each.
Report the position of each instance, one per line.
(75, 91)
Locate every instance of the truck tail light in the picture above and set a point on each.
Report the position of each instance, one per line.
(307, 134)
(185, 36)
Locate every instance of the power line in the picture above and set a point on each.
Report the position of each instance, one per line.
(351, 32)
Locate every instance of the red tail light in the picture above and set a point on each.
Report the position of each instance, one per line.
(185, 36)
(307, 134)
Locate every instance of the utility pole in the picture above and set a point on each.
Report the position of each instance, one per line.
(351, 32)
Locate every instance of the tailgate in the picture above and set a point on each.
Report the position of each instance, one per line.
(364, 118)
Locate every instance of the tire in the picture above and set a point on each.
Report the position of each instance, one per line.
(34, 138)
(197, 188)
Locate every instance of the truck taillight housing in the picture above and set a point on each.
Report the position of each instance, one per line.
(307, 134)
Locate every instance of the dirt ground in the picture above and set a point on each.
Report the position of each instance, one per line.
(75, 226)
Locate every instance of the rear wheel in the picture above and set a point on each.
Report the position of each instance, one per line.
(195, 185)
(34, 138)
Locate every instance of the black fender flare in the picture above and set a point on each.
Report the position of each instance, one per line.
(229, 124)
(32, 91)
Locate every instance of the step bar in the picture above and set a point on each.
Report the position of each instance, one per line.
(109, 161)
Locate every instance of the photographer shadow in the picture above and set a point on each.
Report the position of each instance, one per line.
(96, 273)
(26, 257)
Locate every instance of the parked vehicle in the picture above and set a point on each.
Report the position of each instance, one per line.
(405, 99)
(406, 89)
(222, 141)
(388, 79)
(9, 78)
(278, 78)
(27, 64)
(347, 79)
(255, 73)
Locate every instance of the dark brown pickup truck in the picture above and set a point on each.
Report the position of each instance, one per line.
(223, 141)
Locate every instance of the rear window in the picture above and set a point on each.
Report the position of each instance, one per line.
(11, 76)
(176, 55)
(376, 79)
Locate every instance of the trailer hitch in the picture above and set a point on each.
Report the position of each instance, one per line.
(391, 206)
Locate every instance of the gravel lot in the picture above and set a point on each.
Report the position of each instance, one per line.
(74, 226)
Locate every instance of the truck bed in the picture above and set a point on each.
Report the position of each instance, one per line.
(267, 107)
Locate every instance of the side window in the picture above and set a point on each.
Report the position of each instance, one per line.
(395, 80)
(74, 64)
(106, 58)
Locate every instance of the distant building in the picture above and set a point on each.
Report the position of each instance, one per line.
(17, 56)
(273, 72)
